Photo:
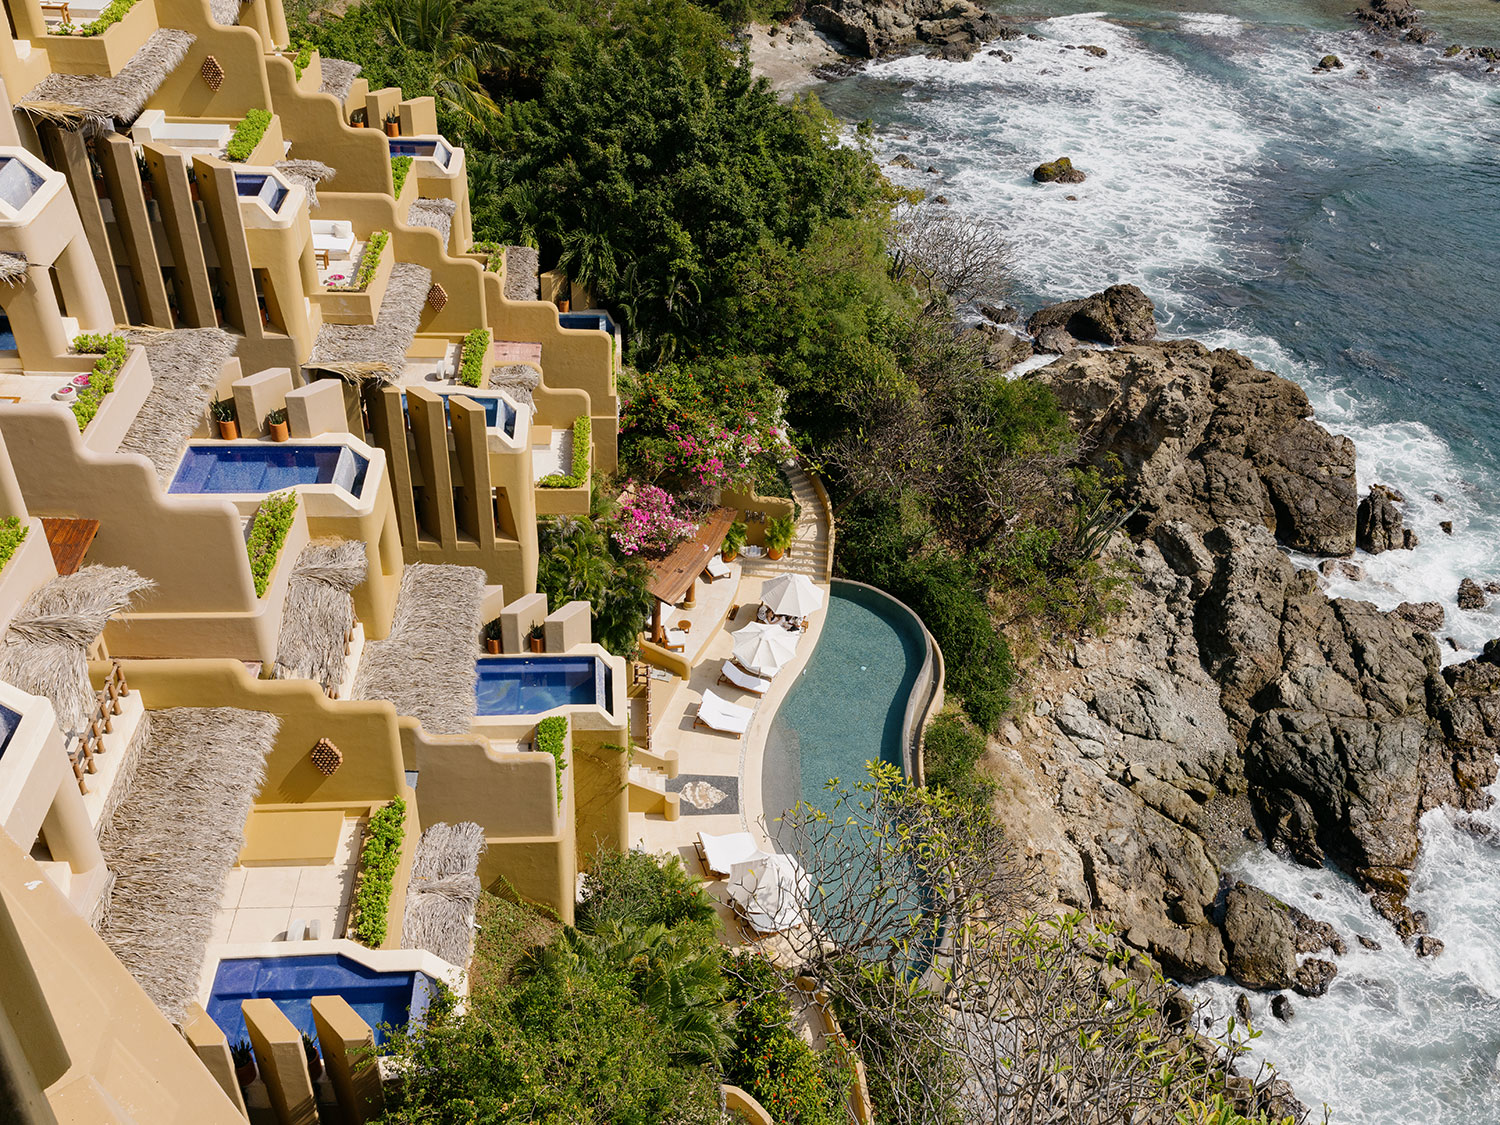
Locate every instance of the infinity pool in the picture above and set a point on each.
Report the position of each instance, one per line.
(292, 981)
(268, 468)
(529, 685)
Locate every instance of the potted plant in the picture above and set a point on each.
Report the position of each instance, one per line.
(779, 533)
(492, 637)
(314, 1060)
(535, 639)
(223, 412)
(276, 423)
(393, 124)
(193, 191)
(734, 540)
(244, 1062)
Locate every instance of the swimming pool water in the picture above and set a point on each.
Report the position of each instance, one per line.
(528, 685)
(292, 981)
(9, 720)
(494, 406)
(264, 468)
(849, 703)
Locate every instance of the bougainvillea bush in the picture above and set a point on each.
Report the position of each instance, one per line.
(702, 424)
(648, 522)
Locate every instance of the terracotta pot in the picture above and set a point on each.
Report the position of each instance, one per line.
(193, 192)
(245, 1074)
(563, 305)
(315, 1068)
(537, 644)
(279, 431)
(492, 646)
(728, 556)
(393, 128)
(229, 430)
(774, 553)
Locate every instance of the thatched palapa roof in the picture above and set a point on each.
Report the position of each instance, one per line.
(338, 76)
(173, 839)
(319, 612)
(518, 380)
(98, 103)
(377, 351)
(443, 892)
(45, 648)
(425, 666)
(13, 267)
(434, 213)
(185, 365)
(308, 173)
(521, 280)
(226, 12)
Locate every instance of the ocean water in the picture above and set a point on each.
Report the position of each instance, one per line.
(1342, 229)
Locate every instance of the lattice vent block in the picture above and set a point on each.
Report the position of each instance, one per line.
(211, 73)
(437, 297)
(327, 757)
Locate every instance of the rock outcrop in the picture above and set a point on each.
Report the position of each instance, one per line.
(953, 29)
(1394, 17)
(1122, 314)
(1232, 702)
(1378, 522)
(1471, 595)
(1206, 436)
(1059, 171)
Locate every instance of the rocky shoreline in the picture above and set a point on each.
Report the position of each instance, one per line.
(1232, 704)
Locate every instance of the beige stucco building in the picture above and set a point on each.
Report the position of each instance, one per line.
(273, 438)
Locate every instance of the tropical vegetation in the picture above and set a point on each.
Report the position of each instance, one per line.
(471, 361)
(112, 352)
(379, 858)
(247, 134)
(578, 562)
(268, 531)
(12, 535)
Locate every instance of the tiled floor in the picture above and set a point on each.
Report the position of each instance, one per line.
(259, 903)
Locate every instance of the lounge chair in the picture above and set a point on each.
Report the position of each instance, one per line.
(717, 568)
(723, 716)
(735, 676)
(719, 854)
(676, 640)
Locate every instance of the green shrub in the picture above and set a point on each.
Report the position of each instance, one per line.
(112, 351)
(951, 750)
(378, 860)
(247, 135)
(551, 738)
(12, 535)
(471, 365)
(583, 432)
(494, 255)
(267, 534)
(400, 166)
(634, 887)
(112, 14)
(303, 57)
(369, 263)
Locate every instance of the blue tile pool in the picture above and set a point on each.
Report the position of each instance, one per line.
(267, 468)
(528, 685)
(292, 981)
(599, 321)
(437, 149)
(495, 408)
(9, 720)
(268, 189)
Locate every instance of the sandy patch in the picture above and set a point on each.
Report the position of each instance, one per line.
(787, 55)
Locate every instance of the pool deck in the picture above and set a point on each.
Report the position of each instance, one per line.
(709, 754)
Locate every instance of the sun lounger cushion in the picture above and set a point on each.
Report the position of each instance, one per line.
(724, 716)
(744, 680)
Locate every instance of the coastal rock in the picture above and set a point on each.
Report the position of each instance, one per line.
(1242, 1007)
(1206, 436)
(1367, 942)
(1428, 946)
(1471, 595)
(1258, 937)
(1059, 171)
(1000, 314)
(1378, 521)
(1342, 568)
(1390, 17)
(1427, 616)
(951, 29)
(1447, 526)
(1088, 48)
(1314, 976)
(1330, 62)
(1003, 348)
(1122, 314)
(1281, 1008)
(901, 160)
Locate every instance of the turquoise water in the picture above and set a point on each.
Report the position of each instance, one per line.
(848, 704)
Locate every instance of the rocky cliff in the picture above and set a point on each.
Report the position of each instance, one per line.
(873, 28)
(1233, 704)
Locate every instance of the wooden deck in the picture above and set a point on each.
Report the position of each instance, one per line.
(69, 540)
(675, 574)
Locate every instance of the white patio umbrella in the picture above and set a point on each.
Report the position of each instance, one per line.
(791, 595)
(764, 648)
(770, 892)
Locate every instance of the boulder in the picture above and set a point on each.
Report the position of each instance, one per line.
(1391, 17)
(1281, 1008)
(1000, 314)
(1330, 62)
(1342, 568)
(901, 160)
(1314, 976)
(1059, 171)
(1242, 1007)
(1005, 349)
(1471, 595)
(1427, 616)
(1258, 937)
(1122, 314)
(1367, 942)
(1378, 521)
(950, 29)
(1428, 946)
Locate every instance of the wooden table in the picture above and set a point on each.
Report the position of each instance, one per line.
(69, 540)
(673, 577)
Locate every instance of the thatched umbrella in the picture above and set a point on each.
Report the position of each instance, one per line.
(425, 665)
(45, 649)
(98, 103)
(308, 173)
(319, 612)
(434, 213)
(185, 365)
(443, 892)
(173, 839)
(377, 351)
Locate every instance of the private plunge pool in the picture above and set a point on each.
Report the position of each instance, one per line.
(529, 685)
(243, 467)
(292, 981)
(850, 703)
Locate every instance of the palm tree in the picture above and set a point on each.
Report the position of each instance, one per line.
(439, 28)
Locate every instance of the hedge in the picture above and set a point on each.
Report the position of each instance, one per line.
(247, 135)
(112, 14)
(583, 432)
(400, 166)
(12, 535)
(111, 351)
(494, 255)
(304, 56)
(369, 262)
(378, 860)
(551, 738)
(267, 534)
(471, 365)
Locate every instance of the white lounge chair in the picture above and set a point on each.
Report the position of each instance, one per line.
(723, 716)
(720, 853)
(717, 568)
(676, 640)
(333, 237)
(735, 676)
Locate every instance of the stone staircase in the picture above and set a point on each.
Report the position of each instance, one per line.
(812, 544)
